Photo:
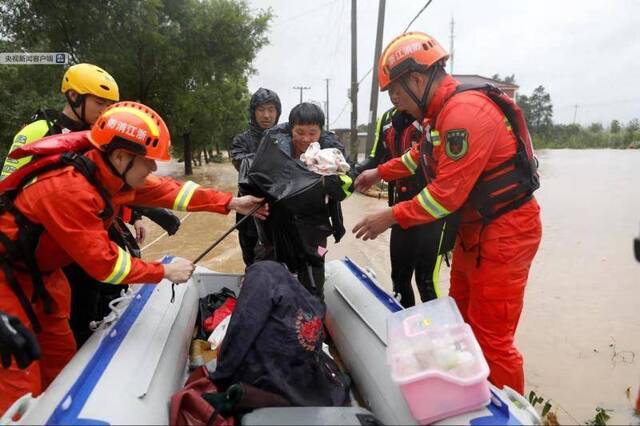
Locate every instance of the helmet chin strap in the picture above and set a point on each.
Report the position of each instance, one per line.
(422, 102)
(79, 102)
(123, 176)
(115, 171)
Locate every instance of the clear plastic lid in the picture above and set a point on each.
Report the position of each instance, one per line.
(432, 338)
(417, 319)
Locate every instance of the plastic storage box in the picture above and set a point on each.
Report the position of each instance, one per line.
(436, 361)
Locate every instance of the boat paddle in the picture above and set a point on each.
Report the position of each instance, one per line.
(218, 241)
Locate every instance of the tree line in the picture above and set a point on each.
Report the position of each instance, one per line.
(188, 59)
(538, 110)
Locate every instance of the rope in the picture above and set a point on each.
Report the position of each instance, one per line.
(164, 234)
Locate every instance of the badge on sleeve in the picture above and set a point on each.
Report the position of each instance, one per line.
(457, 144)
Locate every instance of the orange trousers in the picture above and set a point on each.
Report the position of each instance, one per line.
(56, 339)
(490, 296)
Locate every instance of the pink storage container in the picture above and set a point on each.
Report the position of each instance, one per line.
(436, 361)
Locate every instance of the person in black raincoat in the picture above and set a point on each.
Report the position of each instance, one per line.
(274, 341)
(264, 112)
(305, 206)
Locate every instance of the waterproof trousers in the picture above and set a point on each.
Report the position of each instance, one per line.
(488, 283)
(248, 238)
(56, 339)
(415, 250)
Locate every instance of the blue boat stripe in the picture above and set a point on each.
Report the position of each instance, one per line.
(80, 391)
(388, 301)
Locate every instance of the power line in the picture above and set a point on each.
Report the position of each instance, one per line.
(344, 107)
(405, 30)
(365, 76)
(371, 69)
(599, 104)
(417, 15)
(305, 13)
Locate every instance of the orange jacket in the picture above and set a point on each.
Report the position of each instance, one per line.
(470, 135)
(67, 206)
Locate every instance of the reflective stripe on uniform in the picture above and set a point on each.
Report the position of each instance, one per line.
(436, 276)
(430, 205)
(120, 269)
(381, 126)
(436, 270)
(408, 162)
(435, 137)
(346, 184)
(184, 196)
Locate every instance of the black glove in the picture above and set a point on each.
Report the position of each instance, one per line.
(17, 341)
(163, 217)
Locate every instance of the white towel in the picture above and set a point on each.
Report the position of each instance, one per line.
(328, 161)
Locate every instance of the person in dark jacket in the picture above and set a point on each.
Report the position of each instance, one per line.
(298, 236)
(274, 341)
(264, 112)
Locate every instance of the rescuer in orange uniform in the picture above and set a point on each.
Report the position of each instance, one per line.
(64, 216)
(479, 159)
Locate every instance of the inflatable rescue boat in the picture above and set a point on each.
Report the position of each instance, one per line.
(137, 359)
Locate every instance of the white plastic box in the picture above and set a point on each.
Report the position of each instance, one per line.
(436, 361)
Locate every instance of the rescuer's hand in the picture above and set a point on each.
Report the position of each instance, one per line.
(367, 179)
(374, 224)
(244, 205)
(179, 270)
(141, 231)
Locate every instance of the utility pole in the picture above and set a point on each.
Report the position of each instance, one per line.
(353, 140)
(301, 88)
(373, 104)
(326, 108)
(451, 37)
(575, 113)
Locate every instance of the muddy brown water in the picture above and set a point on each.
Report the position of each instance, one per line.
(580, 329)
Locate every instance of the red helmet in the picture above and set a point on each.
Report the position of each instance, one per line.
(413, 51)
(134, 127)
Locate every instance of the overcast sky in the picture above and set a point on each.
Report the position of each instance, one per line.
(583, 52)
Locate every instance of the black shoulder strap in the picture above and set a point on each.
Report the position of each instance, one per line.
(87, 168)
(496, 95)
(29, 233)
(51, 118)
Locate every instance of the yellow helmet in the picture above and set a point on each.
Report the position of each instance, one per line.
(87, 79)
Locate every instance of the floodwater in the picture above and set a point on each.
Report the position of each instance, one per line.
(580, 329)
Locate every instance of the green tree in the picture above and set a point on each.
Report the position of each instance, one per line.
(596, 127)
(524, 103)
(25, 89)
(615, 127)
(633, 125)
(541, 110)
(508, 79)
(182, 58)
